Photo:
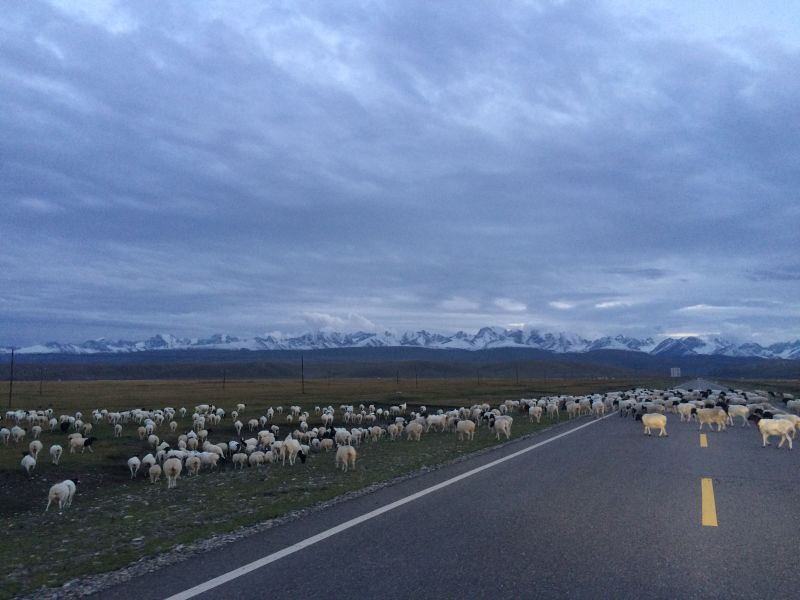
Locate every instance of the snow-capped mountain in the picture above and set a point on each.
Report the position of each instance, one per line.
(485, 338)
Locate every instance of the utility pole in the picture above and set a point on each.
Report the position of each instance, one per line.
(479, 375)
(302, 375)
(416, 379)
(224, 377)
(516, 372)
(11, 379)
(41, 379)
(397, 377)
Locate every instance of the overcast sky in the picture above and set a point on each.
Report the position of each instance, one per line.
(252, 167)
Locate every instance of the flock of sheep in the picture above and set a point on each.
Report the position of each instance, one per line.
(257, 440)
(711, 408)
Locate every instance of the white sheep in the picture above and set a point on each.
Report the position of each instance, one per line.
(5, 435)
(154, 472)
(34, 448)
(535, 412)
(738, 410)
(63, 492)
(193, 464)
(346, 455)
(685, 411)
(28, 464)
(55, 453)
(465, 427)
(414, 431)
(655, 421)
(172, 470)
(710, 416)
(133, 464)
(502, 424)
(239, 459)
(779, 427)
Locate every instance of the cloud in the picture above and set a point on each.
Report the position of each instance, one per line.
(349, 323)
(561, 305)
(193, 167)
(509, 305)
(459, 304)
(611, 304)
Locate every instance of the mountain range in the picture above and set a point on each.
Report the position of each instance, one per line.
(486, 338)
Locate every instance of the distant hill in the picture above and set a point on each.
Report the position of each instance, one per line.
(486, 338)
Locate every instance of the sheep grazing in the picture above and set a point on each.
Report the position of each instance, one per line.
(34, 448)
(413, 431)
(193, 464)
(655, 421)
(346, 456)
(28, 464)
(780, 427)
(55, 453)
(172, 470)
(535, 412)
(133, 465)
(501, 425)
(239, 460)
(63, 492)
(81, 442)
(292, 450)
(154, 472)
(465, 427)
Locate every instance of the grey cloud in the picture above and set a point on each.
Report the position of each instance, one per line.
(189, 166)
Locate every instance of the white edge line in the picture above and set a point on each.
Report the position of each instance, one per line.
(270, 558)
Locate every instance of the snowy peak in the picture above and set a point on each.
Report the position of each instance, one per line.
(484, 338)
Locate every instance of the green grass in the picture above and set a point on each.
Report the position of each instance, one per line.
(115, 521)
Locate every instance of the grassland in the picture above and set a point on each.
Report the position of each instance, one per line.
(115, 521)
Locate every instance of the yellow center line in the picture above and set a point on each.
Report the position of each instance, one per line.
(703, 440)
(709, 506)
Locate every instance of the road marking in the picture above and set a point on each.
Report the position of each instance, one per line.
(270, 558)
(709, 506)
(703, 440)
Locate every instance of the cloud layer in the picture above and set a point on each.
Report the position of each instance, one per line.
(198, 168)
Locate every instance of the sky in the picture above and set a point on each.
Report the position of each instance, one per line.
(246, 167)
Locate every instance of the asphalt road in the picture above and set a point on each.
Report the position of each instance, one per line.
(701, 384)
(605, 512)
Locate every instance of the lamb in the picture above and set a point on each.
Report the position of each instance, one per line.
(28, 463)
(155, 473)
(55, 453)
(117, 430)
(779, 427)
(653, 421)
(172, 469)
(346, 455)
(133, 464)
(34, 448)
(63, 492)
(466, 427)
(535, 412)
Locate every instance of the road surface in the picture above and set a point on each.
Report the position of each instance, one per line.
(603, 512)
(701, 384)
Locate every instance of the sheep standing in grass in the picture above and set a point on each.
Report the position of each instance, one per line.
(172, 470)
(655, 421)
(414, 431)
(34, 448)
(465, 427)
(133, 465)
(154, 472)
(17, 434)
(193, 464)
(239, 460)
(535, 412)
(81, 442)
(502, 425)
(5, 435)
(63, 492)
(28, 464)
(346, 456)
(55, 453)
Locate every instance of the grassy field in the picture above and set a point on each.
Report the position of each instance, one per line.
(115, 521)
